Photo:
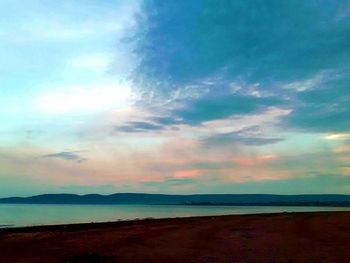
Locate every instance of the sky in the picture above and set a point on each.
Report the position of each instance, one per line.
(162, 96)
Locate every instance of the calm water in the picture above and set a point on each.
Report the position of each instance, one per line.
(28, 215)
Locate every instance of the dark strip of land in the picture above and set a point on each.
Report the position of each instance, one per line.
(195, 199)
(286, 237)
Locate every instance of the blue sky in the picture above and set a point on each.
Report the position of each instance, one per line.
(174, 96)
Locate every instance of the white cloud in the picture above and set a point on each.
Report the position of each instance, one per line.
(307, 84)
(66, 22)
(270, 117)
(96, 62)
(338, 136)
(84, 99)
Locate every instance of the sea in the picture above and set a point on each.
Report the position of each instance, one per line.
(19, 215)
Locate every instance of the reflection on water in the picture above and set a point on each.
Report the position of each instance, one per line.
(33, 214)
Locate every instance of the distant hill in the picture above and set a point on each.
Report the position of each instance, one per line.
(199, 199)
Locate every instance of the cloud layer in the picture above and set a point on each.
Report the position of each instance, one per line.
(175, 96)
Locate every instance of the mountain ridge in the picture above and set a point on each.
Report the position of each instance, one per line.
(191, 199)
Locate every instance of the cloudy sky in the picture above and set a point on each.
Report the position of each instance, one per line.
(170, 96)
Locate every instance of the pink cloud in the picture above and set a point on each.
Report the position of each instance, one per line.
(345, 171)
(187, 174)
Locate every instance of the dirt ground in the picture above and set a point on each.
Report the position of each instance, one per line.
(287, 237)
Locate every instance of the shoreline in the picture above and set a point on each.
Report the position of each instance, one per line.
(67, 214)
(123, 222)
(8, 228)
(274, 237)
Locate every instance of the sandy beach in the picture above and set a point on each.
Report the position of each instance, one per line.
(287, 237)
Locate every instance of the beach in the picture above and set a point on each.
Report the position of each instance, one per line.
(284, 237)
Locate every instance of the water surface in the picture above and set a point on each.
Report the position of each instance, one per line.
(15, 215)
